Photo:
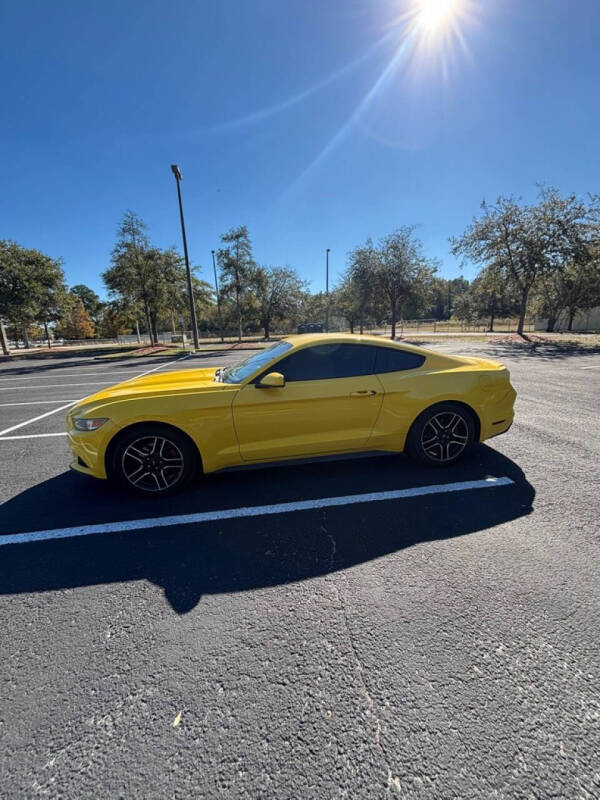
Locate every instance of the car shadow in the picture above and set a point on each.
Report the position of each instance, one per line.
(247, 553)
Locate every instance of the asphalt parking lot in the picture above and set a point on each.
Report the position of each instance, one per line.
(438, 645)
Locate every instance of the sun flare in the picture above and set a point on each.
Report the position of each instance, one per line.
(436, 14)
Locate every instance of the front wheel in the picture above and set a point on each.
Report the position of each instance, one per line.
(441, 435)
(153, 460)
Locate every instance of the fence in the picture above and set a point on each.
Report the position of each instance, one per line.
(406, 327)
(410, 327)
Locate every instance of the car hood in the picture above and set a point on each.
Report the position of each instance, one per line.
(181, 381)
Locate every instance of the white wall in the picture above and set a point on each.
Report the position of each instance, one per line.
(584, 321)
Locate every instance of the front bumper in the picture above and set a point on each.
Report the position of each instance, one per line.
(89, 447)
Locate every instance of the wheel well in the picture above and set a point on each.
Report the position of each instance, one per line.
(469, 409)
(108, 455)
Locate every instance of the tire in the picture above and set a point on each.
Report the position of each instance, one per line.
(442, 435)
(153, 460)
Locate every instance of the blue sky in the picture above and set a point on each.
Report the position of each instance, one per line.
(316, 123)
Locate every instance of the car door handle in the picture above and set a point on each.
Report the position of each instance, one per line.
(363, 393)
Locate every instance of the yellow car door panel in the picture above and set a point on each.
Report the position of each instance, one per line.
(318, 410)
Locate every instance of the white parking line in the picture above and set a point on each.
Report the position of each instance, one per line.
(36, 403)
(249, 511)
(160, 366)
(31, 436)
(92, 383)
(53, 385)
(35, 419)
(72, 402)
(67, 375)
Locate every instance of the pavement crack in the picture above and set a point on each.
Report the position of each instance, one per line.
(332, 541)
(393, 782)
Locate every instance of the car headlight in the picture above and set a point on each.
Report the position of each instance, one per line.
(83, 424)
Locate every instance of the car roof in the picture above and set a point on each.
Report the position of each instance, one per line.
(348, 338)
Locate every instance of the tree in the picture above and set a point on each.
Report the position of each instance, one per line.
(359, 284)
(490, 296)
(31, 287)
(401, 271)
(145, 279)
(75, 322)
(128, 279)
(237, 270)
(278, 291)
(166, 287)
(204, 298)
(116, 320)
(505, 235)
(346, 302)
(569, 289)
(572, 241)
(313, 307)
(91, 302)
(464, 308)
(529, 244)
(582, 286)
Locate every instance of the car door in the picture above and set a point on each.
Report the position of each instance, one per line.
(329, 404)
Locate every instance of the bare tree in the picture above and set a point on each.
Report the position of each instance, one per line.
(358, 290)
(279, 294)
(530, 244)
(401, 270)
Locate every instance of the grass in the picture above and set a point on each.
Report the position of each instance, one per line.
(586, 341)
(465, 337)
(58, 351)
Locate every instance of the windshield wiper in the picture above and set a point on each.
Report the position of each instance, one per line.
(219, 375)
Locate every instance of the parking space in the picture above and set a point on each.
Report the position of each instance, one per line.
(41, 390)
(379, 629)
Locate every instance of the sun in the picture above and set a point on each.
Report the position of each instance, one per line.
(433, 15)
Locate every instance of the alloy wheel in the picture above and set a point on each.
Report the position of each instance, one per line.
(152, 463)
(445, 436)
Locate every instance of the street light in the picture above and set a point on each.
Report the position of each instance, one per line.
(177, 173)
(327, 289)
(218, 295)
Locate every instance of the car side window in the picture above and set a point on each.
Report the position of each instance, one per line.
(390, 359)
(328, 361)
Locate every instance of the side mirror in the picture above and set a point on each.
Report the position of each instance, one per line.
(272, 380)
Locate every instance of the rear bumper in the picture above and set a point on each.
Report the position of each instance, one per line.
(499, 416)
(501, 428)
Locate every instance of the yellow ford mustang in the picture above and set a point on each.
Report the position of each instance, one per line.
(306, 396)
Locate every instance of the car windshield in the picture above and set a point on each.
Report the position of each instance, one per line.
(241, 371)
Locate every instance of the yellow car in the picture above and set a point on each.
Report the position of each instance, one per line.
(305, 396)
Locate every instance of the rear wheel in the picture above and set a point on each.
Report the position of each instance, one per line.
(442, 435)
(153, 460)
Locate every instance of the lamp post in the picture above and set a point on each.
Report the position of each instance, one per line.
(218, 295)
(327, 289)
(176, 172)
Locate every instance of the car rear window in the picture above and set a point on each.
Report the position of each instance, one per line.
(390, 359)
